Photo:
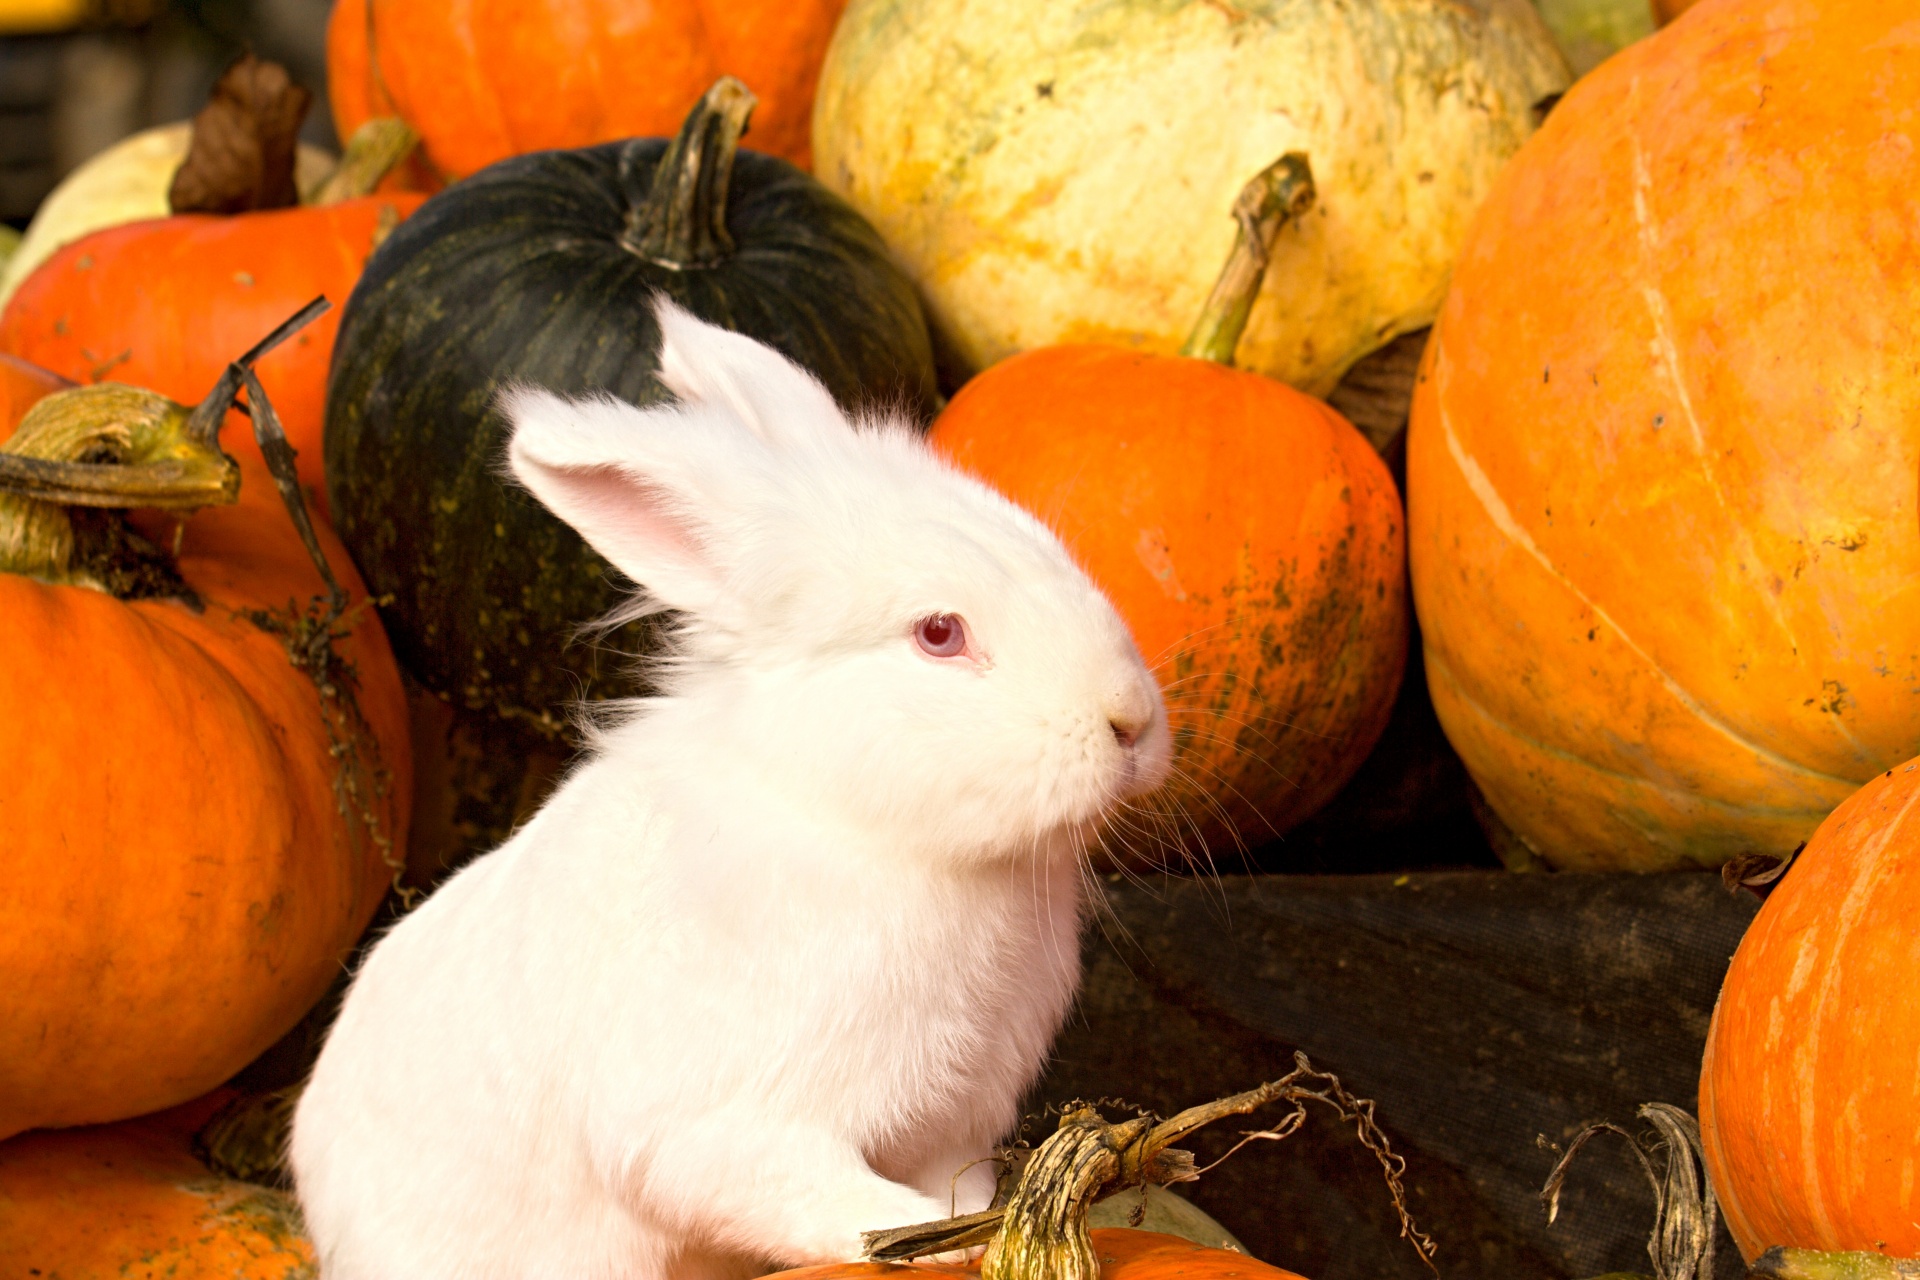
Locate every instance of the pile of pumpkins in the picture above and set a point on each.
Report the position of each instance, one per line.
(1660, 502)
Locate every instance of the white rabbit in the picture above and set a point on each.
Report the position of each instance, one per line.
(782, 955)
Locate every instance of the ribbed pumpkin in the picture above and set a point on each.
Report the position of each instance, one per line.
(543, 269)
(1809, 1098)
(1662, 457)
(1051, 171)
(130, 1200)
(194, 838)
(1250, 536)
(484, 81)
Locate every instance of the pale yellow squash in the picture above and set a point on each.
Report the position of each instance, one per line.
(125, 183)
(1060, 170)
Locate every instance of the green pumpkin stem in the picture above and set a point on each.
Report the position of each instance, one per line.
(682, 220)
(1277, 195)
(1041, 1232)
(370, 154)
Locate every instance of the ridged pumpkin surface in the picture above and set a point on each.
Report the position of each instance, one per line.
(1809, 1095)
(181, 885)
(487, 79)
(164, 304)
(1251, 538)
(129, 1202)
(1662, 457)
(1054, 170)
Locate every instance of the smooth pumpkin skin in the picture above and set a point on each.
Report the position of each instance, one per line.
(1058, 171)
(181, 886)
(166, 303)
(130, 1202)
(1125, 1254)
(486, 79)
(1249, 535)
(1809, 1100)
(1663, 449)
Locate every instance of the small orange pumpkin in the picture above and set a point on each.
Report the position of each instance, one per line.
(195, 834)
(129, 1200)
(1809, 1100)
(1249, 535)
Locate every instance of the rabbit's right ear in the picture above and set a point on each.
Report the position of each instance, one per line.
(589, 462)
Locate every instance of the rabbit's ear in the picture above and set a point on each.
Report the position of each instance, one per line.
(776, 399)
(611, 471)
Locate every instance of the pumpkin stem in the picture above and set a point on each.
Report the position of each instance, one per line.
(1041, 1232)
(682, 221)
(111, 445)
(1277, 195)
(370, 154)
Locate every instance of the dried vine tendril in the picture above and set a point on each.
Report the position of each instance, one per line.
(1041, 1233)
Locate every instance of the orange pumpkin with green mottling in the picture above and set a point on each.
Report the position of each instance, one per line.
(129, 1202)
(1252, 539)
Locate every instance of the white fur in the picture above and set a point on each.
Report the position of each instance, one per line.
(783, 954)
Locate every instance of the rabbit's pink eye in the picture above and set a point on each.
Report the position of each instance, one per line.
(943, 635)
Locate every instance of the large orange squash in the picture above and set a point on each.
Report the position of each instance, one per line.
(495, 78)
(130, 1200)
(1662, 458)
(1809, 1095)
(1250, 536)
(166, 303)
(195, 836)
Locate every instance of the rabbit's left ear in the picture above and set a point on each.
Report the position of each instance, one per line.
(642, 489)
(775, 398)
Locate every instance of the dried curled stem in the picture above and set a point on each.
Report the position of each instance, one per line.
(1685, 1213)
(1041, 1232)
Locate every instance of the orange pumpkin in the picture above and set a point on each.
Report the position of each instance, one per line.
(484, 81)
(1124, 1254)
(165, 304)
(130, 1200)
(189, 853)
(1662, 456)
(1809, 1100)
(1249, 535)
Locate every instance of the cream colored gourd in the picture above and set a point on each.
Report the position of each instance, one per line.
(1054, 170)
(125, 183)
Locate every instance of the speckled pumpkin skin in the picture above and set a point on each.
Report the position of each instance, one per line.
(129, 1202)
(1056, 171)
(518, 274)
(1252, 539)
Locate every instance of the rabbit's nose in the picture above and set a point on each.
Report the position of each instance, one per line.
(1130, 713)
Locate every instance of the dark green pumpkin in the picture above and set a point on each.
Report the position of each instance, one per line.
(542, 269)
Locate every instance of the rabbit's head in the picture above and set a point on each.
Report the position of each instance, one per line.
(860, 625)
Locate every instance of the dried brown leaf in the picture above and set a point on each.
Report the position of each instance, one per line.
(244, 142)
